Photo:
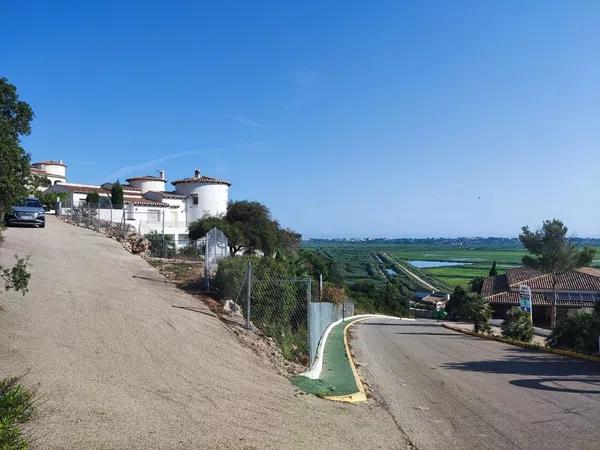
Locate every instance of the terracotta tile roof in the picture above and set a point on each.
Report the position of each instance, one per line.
(55, 163)
(146, 178)
(139, 201)
(520, 274)
(201, 179)
(82, 189)
(493, 285)
(545, 299)
(590, 271)
(168, 194)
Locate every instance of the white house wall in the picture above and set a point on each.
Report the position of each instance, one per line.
(212, 199)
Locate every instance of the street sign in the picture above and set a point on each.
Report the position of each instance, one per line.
(525, 299)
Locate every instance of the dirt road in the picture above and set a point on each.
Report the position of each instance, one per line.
(125, 360)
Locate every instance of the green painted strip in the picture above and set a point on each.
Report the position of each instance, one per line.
(337, 377)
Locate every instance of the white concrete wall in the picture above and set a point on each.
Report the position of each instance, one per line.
(149, 185)
(212, 199)
(53, 169)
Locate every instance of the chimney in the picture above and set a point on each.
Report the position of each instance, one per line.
(197, 173)
(161, 174)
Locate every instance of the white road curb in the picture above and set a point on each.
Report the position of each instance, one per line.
(314, 372)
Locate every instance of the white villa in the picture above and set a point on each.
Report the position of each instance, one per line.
(148, 205)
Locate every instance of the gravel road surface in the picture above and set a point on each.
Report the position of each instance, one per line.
(449, 390)
(122, 359)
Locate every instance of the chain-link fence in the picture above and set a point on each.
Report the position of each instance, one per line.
(163, 227)
(270, 300)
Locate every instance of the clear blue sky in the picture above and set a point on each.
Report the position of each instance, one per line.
(345, 118)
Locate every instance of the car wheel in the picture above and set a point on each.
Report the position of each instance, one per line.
(43, 225)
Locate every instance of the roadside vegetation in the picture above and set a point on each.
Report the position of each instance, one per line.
(517, 325)
(16, 402)
(16, 408)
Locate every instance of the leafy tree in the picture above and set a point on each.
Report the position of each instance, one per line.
(254, 221)
(49, 199)
(92, 198)
(249, 226)
(476, 284)
(36, 183)
(200, 227)
(578, 331)
(552, 252)
(318, 263)
(478, 310)
(456, 305)
(517, 325)
(15, 119)
(116, 196)
(493, 270)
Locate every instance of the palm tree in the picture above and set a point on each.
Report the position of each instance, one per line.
(478, 310)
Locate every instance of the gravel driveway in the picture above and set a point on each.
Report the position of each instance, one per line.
(122, 359)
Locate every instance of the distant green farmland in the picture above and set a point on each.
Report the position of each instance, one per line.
(355, 258)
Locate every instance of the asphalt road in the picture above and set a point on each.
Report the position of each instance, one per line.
(449, 390)
(122, 359)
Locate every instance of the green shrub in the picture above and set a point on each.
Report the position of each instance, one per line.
(578, 331)
(191, 251)
(278, 305)
(517, 325)
(16, 406)
(157, 248)
(93, 198)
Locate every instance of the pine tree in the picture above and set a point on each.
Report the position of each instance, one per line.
(116, 195)
(493, 270)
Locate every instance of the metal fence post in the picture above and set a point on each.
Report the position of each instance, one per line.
(308, 318)
(163, 236)
(320, 287)
(248, 295)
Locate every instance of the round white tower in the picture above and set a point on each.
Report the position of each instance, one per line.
(55, 171)
(203, 196)
(149, 183)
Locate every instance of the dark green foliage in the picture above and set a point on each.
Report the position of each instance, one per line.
(249, 226)
(578, 331)
(92, 198)
(161, 248)
(278, 306)
(493, 270)
(16, 277)
(478, 310)
(116, 195)
(476, 284)
(16, 407)
(456, 305)
(49, 199)
(517, 325)
(191, 251)
(550, 251)
(15, 119)
(317, 263)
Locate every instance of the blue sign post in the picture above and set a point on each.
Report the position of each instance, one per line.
(525, 301)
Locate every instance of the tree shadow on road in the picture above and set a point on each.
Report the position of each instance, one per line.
(549, 368)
